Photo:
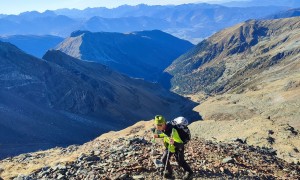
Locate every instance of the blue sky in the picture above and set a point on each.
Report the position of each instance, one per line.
(17, 6)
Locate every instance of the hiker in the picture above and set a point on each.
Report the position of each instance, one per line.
(174, 145)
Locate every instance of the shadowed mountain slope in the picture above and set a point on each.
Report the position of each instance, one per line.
(73, 100)
(142, 54)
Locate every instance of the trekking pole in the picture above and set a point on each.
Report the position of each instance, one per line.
(166, 162)
(167, 156)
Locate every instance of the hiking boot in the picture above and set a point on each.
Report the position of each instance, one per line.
(188, 175)
(168, 175)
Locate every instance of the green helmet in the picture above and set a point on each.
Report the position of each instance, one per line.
(159, 120)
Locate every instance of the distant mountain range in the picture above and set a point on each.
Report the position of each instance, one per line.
(192, 22)
(32, 44)
(252, 3)
(124, 24)
(285, 14)
(119, 20)
(62, 100)
(143, 54)
(35, 23)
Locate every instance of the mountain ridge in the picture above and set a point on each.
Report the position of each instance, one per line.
(138, 54)
(211, 55)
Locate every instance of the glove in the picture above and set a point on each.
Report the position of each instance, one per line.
(171, 148)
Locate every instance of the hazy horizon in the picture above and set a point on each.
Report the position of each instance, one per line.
(9, 7)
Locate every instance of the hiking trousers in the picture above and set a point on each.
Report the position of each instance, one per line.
(179, 156)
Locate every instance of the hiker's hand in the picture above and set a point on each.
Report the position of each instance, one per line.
(155, 136)
(171, 141)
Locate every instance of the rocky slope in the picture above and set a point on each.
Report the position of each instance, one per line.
(265, 112)
(246, 79)
(142, 54)
(74, 101)
(130, 154)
